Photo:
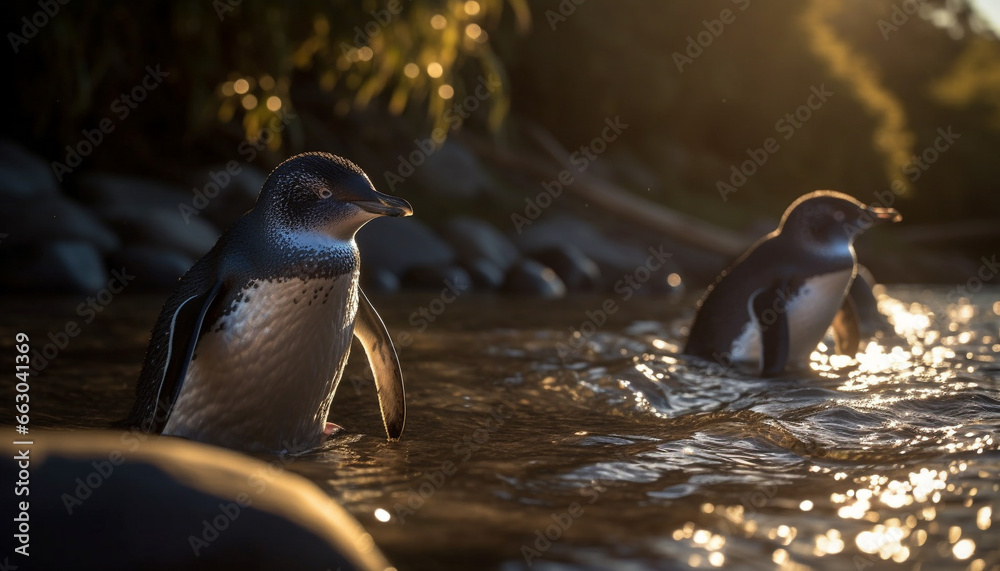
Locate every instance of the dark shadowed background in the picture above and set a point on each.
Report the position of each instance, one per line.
(139, 132)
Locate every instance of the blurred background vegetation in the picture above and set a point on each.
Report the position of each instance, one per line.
(366, 79)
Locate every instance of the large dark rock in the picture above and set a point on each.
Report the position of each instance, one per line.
(378, 280)
(129, 500)
(614, 259)
(53, 218)
(437, 277)
(485, 274)
(575, 269)
(54, 267)
(24, 175)
(453, 171)
(398, 244)
(154, 268)
(532, 278)
(160, 227)
(112, 190)
(475, 239)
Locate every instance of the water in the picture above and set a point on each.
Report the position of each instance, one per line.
(627, 455)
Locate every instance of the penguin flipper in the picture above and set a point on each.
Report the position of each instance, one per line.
(185, 328)
(370, 330)
(773, 325)
(846, 329)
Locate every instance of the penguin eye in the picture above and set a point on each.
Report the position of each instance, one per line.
(325, 193)
(838, 215)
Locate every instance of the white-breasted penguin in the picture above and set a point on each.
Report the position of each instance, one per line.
(775, 303)
(249, 349)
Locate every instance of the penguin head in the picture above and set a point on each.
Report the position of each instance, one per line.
(323, 193)
(829, 219)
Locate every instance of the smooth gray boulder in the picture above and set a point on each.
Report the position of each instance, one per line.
(398, 244)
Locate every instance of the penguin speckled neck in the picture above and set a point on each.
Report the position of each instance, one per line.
(776, 302)
(250, 348)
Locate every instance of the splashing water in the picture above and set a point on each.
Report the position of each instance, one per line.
(529, 443)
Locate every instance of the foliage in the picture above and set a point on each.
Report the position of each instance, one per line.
(234, 61)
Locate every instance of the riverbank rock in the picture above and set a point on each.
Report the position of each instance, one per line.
(24, 175)
(485, 274)
(475, 239)
(437, 277)
(220, 196)
(533, 278)
(105, 190)
(160, 227)
(398, 244)
(453, 171)
(155, 268)
(51, 267)
(575, 269)
(53, 218)
(615, 260)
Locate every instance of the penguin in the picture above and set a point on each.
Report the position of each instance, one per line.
(249, 349)
(775, 303)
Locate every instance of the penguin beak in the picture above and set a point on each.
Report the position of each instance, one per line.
(384, 205)
(880, 215)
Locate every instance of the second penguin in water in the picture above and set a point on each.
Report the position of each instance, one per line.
(775, 303)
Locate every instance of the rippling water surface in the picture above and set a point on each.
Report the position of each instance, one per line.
(540, 434)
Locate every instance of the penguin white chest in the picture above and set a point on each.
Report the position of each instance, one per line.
(264, 374)
(809, 311)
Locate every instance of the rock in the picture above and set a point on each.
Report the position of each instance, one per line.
(210, 501)
(453, 171)
(154, 268)
(55, 267)
(104, 190)
(53, 218)
(576, 270)
(24, 175)
(532, 278)
(378, 280)
(612, 258)
(161, 227)
(221, 196)
(485, 274)
(398, 244)
(475, 239)
(437, 277)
